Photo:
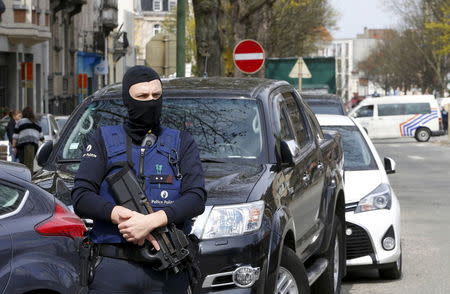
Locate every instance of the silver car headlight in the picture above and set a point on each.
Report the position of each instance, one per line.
(233, 220)
(380, 198)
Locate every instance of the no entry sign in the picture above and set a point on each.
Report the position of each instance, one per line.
(248, 56)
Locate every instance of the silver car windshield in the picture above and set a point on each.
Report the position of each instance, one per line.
(222, 128)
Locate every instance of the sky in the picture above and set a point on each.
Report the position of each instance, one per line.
(354, 15)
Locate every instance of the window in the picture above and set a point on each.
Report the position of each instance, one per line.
(403, 109)
(43, 122)
(357, 154)
(156, 29)
(10, 199)
(285, 128)
(418, 108)
(157, 5)
(314, 124)
(172, 5)
(225, 129)
(365, 111)
(297, 119)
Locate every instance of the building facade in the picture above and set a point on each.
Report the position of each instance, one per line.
(81, 31)
(24, 42)
(148, 22)
(350, 81)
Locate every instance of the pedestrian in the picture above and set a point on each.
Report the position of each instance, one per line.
(14, 116)
(444, 112)
(27, 137)
(176, 201)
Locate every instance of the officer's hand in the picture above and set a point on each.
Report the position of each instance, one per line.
(152, 240)
(120, 214)
(137, 227)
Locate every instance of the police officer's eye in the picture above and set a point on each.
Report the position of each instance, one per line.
(156, 95)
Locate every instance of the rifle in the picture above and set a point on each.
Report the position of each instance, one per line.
(128, 192)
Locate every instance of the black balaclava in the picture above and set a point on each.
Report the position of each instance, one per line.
(143, 116)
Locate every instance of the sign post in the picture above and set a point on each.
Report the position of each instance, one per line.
(248, 56)
(300, 71)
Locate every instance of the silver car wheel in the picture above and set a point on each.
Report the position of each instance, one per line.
(286, 282)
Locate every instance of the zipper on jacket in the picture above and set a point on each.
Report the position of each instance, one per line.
(141, 166)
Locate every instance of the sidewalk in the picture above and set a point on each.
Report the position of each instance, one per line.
(441, 140)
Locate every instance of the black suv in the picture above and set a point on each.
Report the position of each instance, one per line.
(322, 103)
(275, 210)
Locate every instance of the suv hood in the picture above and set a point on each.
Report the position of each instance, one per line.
(230, 183)
(226, 183)
(360, 183)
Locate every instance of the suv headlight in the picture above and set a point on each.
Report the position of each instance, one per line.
(380, 198)
(233, 220)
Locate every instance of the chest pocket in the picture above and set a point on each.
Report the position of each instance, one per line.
(162, 190)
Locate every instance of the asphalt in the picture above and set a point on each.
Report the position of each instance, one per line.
(422, 184)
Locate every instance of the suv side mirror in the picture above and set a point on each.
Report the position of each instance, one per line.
(289, 151)
(44, 152)
(389, 165)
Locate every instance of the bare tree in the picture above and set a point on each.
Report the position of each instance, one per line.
(283, 27)
(416, 14)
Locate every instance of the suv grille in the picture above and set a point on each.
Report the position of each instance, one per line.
(358, 243)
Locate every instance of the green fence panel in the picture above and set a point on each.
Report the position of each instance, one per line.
(323, 72)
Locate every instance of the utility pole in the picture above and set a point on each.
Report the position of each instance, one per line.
(181, 37)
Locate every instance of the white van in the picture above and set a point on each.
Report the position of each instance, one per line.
(415, 116)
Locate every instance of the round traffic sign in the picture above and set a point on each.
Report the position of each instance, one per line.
(248, 56)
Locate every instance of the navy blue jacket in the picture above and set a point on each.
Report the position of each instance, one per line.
(89, 204)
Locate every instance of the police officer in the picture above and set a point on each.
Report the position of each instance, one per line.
(179, 198)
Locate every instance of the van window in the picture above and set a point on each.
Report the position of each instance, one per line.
(365, 111)
(418, 108)
(403, 109)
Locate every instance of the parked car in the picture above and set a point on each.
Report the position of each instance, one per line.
(372, 210)
(415, 116)
(275, 197)
(50, 128)
(38, 237)
(322, 103)
(61, 120)
(4, 143)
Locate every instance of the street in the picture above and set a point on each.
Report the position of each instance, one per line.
(422, 185)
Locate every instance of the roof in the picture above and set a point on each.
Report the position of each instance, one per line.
(221, 85)
(321, 98)
(334, 120)
(397, 99)
(14, 169)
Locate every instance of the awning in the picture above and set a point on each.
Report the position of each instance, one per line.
(86, 61)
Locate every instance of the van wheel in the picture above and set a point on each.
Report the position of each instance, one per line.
(292, 277)
(394, 272)
(330, 280)
(422, 135)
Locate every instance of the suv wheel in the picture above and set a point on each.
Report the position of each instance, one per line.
(330, 280)
(422, 135)
(292, 277)
(394, 272)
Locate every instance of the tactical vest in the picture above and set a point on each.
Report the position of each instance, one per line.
(162, 178)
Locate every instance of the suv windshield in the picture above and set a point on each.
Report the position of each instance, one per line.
(357, 155)
(222, 128)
